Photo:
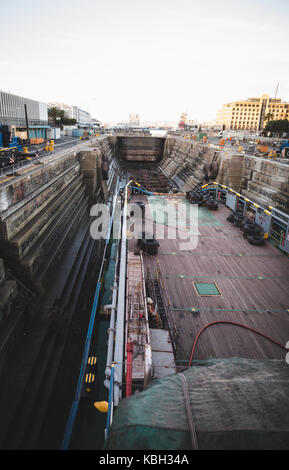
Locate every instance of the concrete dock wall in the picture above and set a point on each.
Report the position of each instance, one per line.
(42, 205)
(191, 163)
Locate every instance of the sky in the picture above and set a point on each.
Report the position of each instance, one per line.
(156, 58)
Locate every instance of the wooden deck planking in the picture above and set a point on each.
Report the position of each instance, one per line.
(216, 259)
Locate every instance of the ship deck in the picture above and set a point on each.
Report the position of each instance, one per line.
(252, 283)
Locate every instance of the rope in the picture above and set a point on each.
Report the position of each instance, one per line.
(189, 412)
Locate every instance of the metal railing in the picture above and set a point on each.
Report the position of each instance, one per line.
(53, 155)
(274, 216)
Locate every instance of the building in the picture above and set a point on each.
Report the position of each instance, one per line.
(95, 123)
(12, 114)
(68, 110)
(82, 117)
(251, 114)
(134, 119)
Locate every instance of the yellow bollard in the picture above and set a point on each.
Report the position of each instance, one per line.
(25, 149)
(101, 406)
(240, 148)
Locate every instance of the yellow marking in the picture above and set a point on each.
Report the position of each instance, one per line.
(256, 205)
(7, 148)
(89, 378)
(92, 360)
(7, 179)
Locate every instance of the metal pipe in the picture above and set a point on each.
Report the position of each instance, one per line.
(112, 322)
(280, 212)
(129, 349)
(110, 403)
(119, 336)
(26, 119)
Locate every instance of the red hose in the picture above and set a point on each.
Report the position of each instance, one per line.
(231, 323)
(129, 349)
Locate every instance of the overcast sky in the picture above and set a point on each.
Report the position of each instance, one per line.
(157, 58)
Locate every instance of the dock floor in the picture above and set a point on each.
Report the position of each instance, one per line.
(251, 282)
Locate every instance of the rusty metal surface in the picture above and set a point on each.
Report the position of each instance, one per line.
(137, 326)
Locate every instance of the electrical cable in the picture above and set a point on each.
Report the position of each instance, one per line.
(235, 324)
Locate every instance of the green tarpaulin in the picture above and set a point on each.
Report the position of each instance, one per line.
(236, 404)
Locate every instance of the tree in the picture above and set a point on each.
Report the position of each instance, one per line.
(277, 127)
(68, 121)
(59, 117)
(53, 113)
(268, 117)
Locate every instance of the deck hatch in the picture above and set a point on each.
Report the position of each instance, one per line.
(207, 288)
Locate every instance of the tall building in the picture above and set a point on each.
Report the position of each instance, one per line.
(12, 114)
(251, 114)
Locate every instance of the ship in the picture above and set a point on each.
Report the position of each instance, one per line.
(181, 340)
(199, 354)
